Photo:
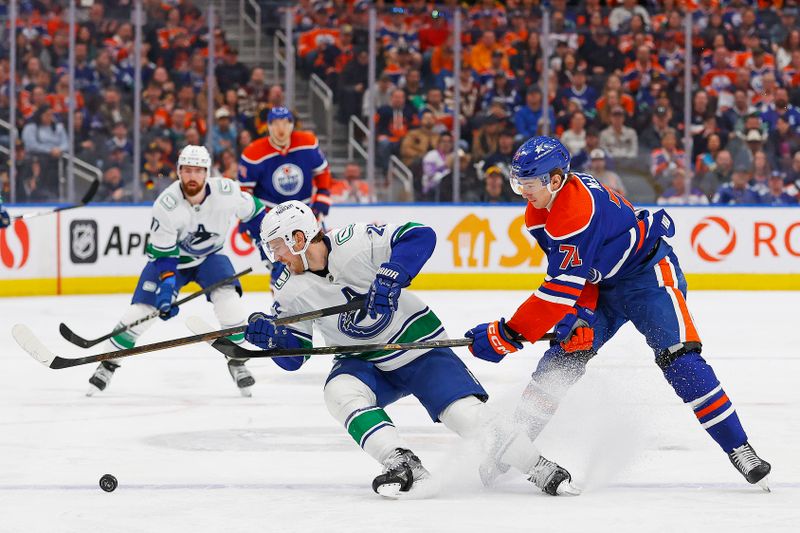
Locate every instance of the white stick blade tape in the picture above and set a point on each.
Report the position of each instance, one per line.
(28, 342)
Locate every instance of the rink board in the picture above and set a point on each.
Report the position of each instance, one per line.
(100, 249)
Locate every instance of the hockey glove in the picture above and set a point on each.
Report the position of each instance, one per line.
(5, 219)
(321, 204)
(262, 331)
(574, 332)
(165, 295)
(492, 341)
(385, 290)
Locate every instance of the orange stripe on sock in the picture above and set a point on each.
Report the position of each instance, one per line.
(703, 412)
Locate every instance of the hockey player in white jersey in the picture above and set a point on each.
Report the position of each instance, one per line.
(377, 262)
(191, 220)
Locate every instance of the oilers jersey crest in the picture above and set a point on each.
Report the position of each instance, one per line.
(276, 175)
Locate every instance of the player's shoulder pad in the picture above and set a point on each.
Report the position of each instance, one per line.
(304, 139)
(224, 186)
(258, 150)
(572, 210)
(169, 199)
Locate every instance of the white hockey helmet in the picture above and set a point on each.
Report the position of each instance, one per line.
(195, 156)
(282, 222)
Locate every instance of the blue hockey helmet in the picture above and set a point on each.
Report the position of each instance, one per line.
(279, 112)
(536, 159)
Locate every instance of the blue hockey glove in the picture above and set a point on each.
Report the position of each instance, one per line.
(492, 341)
(262, 331)
(5, 219)
(574, 332)
(385, 290)
(165, 295)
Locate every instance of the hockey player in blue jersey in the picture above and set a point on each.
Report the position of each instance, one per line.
(607, 264)
(286, 165)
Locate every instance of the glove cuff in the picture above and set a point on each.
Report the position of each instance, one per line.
(394, 272)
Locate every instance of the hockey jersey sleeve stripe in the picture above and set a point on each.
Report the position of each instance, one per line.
(402, 230)
(556, 298)
(625, 255)
(260, 159)
(322, 198)
(556, 288)
(538, 314)
(321, 168)
(155, 252)
(577, 280)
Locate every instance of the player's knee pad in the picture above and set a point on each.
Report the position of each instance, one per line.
(346, 394)
(466, 416)
(691, 376)
(127, 338)
(228, 306)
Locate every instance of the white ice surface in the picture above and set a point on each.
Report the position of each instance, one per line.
(191, 455)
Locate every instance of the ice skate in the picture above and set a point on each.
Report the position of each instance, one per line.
(101, 377)
(552, 479)
(751, 466)
(404, 477)
(242, 377)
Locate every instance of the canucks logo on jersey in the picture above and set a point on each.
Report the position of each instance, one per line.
(199, 242)
(356, 324)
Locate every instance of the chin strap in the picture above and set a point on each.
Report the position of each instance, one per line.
(305, 260)
(554, 192)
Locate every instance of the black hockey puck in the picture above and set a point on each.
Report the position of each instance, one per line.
(108, 483)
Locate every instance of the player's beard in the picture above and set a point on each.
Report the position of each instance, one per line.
(192, 187)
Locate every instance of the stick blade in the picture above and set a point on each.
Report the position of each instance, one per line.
(73, 337)
(31, 344)
(90, 192)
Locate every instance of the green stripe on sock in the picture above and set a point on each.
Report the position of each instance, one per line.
(405, 228)
(124, 340)
(362, 423)
(237, 338)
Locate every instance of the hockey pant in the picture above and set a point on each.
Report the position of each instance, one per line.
(653, 298)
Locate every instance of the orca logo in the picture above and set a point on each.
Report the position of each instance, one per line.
(15, 245)
(83, 241)
(717, 225)
(287, 179)
(357, 324)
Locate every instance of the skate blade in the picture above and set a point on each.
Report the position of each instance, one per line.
(422, 489)
(764, 484)
(246, 392)
(568, 489)
(92, 391)
(490, 473)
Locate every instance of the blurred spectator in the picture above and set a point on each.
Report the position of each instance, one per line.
(733, 118)
(493, 191)
(677, 193)
(352, 189)
(419, 141)
(352, 83)
(443, 115)
(706, 161)
(621, 15)
(227, 164)
(112, 189)
(618, 140)
(737, 191)
(762, 171)
(575, 137)
(719, 174)
(486, 138)
(775, 193)
(437, 164)
(782, 143)
(119, 139)
(113, 110)
(793, 175)
(607, 177)
(527, 117)
(32, 185)
(156, 176)
(224, 132)
(231, 73)
(665, 160)
(44, 135)
(504, 154)
(781, 108)
(600, 54)
(381, 96)
(393, 123)
(480, 56)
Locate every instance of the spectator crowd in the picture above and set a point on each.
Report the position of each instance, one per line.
(613, 93)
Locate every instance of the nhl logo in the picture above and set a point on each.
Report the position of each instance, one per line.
(83, 241)
(287, 179)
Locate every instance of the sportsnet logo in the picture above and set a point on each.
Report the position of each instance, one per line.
(287, 179)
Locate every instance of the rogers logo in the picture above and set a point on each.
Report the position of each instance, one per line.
(728, 236)
(14, 250)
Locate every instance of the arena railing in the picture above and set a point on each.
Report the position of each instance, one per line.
(321, 103)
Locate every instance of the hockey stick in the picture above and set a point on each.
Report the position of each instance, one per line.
(235, 351)
(85, 200)
(77, 340)
(36, 349)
